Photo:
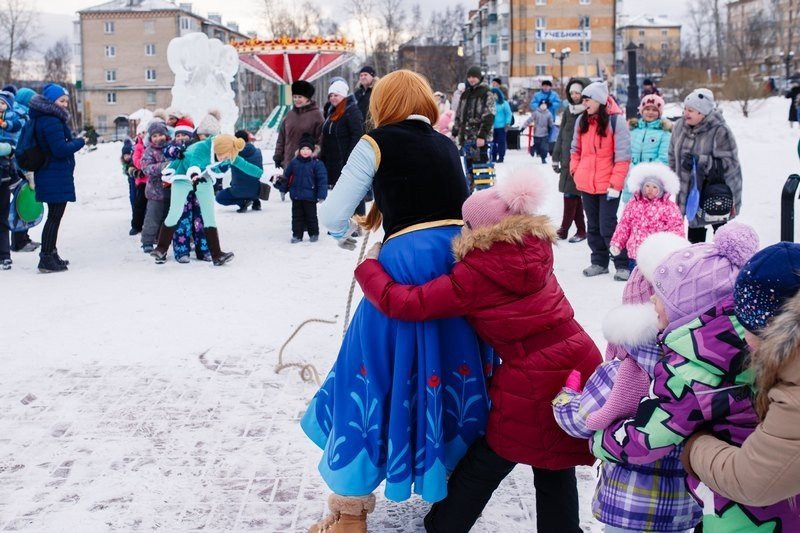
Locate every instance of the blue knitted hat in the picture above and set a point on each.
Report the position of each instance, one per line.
(53, 91)
(24, 95)
(771, 277)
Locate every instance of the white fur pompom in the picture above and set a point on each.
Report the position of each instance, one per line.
(661, 172)
(631, 324)
(522, 190)
(656, 249)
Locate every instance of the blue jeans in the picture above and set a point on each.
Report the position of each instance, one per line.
(224, 197)
(499, 145)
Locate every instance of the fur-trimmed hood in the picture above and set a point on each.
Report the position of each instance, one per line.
(658, 172)
(512, 229)
(515, 254)
(663, 124)
(781, 342)
(631, 325)
(42, 106)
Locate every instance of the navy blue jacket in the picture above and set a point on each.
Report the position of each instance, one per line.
(55, 182)
(243, 185)
(307, 179)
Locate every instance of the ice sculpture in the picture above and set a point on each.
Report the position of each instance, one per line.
(204, 69)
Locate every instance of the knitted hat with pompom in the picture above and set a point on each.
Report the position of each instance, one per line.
(520, 193)
(693, 279)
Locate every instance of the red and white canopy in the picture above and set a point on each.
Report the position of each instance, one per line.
(288, 59)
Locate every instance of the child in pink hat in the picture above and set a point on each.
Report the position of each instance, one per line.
(503, 283)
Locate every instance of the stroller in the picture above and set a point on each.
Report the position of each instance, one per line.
(480, 170)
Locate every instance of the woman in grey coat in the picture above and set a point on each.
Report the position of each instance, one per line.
(698, 138)
(573, 207)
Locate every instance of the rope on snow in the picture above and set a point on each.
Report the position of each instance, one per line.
(309, 372)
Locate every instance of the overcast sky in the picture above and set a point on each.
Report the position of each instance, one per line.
(249, 12)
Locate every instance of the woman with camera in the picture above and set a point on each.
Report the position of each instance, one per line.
(703, 153)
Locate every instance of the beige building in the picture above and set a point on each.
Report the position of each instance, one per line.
(122, 55)
(658, 39)
(542, 29)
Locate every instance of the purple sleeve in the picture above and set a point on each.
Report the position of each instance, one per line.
(572, 408)
(666, 419)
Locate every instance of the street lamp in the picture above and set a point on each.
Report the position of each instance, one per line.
(787, 60)
(565, 52)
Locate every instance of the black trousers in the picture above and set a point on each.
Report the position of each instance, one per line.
(19, 239)
(601, 221)
(477, 476)
(304, 218)
(696, 235)
(5, 237)
(50, 232)
(139, 208)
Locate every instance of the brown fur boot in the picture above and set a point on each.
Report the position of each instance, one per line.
(348, 515)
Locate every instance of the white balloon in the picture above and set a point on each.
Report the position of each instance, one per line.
(204, 70)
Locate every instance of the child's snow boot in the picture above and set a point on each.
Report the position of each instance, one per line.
(348, 515)
(217, 255)
(5, 264)
(164, 240)
(48, 264)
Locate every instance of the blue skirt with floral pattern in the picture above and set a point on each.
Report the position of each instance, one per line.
(404, 400)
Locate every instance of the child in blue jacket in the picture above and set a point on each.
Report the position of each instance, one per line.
(306, 180)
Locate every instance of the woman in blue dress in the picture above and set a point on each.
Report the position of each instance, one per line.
(404, 400)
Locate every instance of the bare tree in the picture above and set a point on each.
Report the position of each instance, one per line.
(18, 25)
(748, 45)
(57, 61)
(293, 22)
(362, 11)
(445, 26)
(393, 19)
(701, 33)
(682, 80)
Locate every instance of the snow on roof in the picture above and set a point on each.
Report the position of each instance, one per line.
(650, 21)
(133, 5)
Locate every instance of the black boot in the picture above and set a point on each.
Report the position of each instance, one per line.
(59, 258)
(217, 255)
(164, 239)
(243, 207)
(257, 205)
(48, 263)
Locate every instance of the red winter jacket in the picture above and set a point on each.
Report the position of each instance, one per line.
(504, 284)
(598, 162)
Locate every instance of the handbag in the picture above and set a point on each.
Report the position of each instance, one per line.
(716, 200)
(263, 191)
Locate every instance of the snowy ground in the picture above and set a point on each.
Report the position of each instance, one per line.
(137, 396)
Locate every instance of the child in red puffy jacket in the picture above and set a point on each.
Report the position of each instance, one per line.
(503, 283)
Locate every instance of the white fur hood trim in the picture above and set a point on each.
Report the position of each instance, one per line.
(661, 172)
(655, 250)
(631, 324)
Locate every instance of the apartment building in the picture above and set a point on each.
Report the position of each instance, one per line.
(486, 37)
(542, 29)
(121, 55)
(658, 39)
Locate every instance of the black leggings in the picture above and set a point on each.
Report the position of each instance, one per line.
(477, 476)
(50, 231)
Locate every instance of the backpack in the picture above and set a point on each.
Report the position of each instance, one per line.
(30, 156)
(716, 200)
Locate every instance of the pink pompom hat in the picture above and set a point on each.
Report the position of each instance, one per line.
(520, 193)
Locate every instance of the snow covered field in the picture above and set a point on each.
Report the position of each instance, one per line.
(136, 396)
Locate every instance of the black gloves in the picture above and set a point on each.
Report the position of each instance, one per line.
(278, 162)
